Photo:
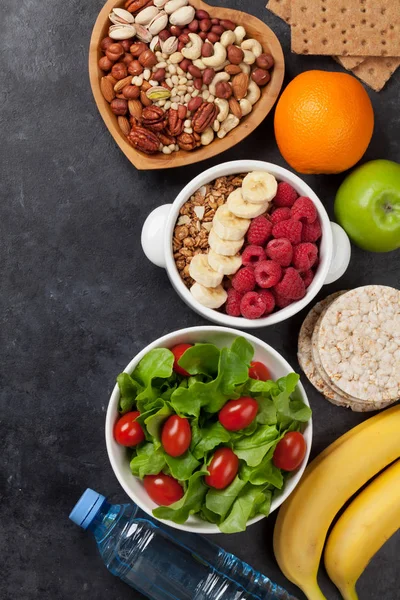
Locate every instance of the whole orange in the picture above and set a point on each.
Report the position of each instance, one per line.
(323, 122)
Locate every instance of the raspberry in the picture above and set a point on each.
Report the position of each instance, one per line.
(292, 286)
(281, 251)
(286, 195)
(304, 210)
(307, 277)
(252, 254)
(280, 214)
(244, 280)
(267, 273)
(311, 232)
(269, 300)
(290, 229)
(280, 301)
(232, 305)
(259, 231)
(304, 256)
(252, 306)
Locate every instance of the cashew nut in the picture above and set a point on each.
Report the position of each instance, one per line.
(245, 68)
(199, 64)
(253, 92)
(245, 106)
(192, 50)
(223, 106)
(227, 38)
(230, 123)
(224, 64)
(254, 46)
(240, 34)
(207, 136)
(217, 79)
(218, 58)
(216, 125)
(249, 57)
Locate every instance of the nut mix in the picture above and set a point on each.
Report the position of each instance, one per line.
(199, 76)
(247, 243)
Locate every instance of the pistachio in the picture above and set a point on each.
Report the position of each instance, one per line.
(170, 46)
(121, 16)
(147, 15)
(160, 3)
(158, 93)
(143, 34)
(159, 23)
(183, 16)
(122, 32)
(173, 5)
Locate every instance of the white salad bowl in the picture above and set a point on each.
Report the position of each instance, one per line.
(157, 233)
(221, 337)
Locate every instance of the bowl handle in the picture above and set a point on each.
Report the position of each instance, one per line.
(153, 232)
(341, 253)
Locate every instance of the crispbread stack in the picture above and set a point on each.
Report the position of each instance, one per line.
(349, 347)
(362, 35)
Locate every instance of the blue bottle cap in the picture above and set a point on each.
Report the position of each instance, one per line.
(87, 508)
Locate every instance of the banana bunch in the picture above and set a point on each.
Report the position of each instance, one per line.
(226, 238)
(328, 482)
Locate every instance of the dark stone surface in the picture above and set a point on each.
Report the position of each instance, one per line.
(79, 300)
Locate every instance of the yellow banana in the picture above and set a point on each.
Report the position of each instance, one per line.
(330, 480)
(370, 520)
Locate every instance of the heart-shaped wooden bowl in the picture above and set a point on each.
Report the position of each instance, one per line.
(255, 29)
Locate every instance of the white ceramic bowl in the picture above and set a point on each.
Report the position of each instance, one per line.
(159, 226)
(221, 337)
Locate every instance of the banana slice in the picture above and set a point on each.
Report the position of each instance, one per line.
(243, 209)
(224, 247)
(201, 271)
(259, 187)
(229, 227)
(209, 297)
(227, 265)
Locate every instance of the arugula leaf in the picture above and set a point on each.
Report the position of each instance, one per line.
(267, 412)
(206, 439)
(242, 509)
(220, 501)
(149, 461)
(182, 467)
(265, 473)
(128, 389)
(252, 449)
(189, 504)
(201, 359)
(243, 349)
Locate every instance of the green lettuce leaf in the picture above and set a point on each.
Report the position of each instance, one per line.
(201, 359)
(182, 467)
(252, 449)
(267, 411)
(265, 473)
(220, 501)
(189, 504)
(156, 365)
(128, 389)
(207, 438)
(289, 409)
(246, 504)
(243, 349)
(149, 461)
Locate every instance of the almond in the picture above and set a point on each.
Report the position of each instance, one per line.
(119, 86)
(135, 108)
(234, 108)
(233, 69)
(107, 89)
(240, 85)
(111, 78)
(124, 125)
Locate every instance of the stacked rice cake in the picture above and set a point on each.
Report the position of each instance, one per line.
(349, 347)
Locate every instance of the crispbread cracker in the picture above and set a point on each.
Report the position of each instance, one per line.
(376, 71)
(349, 62)
(359, 344)
(351, 28)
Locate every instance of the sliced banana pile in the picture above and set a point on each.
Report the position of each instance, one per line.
(226, 238)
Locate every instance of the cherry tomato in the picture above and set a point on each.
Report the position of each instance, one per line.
(223, 469)
(163, 489)
(259, 371)
(177, 351)
(127, 431)
(176, 435)
(238, 414)
(290, 451)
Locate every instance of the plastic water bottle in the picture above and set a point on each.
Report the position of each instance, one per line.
(164, 563)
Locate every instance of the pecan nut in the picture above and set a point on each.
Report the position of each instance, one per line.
(154, 118)
(204, 117)
(134, 6)
(175, 124)
(166, 139)
(144, 140)
(188, 141)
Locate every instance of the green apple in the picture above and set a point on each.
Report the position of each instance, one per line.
(367, 206)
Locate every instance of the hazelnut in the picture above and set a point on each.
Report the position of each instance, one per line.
(184, 37)
(137, 48)
(208, 75)
(119, 71)
(227, 24)
(184, 64)
(261, 77)
(148, 59)
(128, 58)
(159, 75)
(106, 43)
(164, 35)
(119, 107)
(195, 103)
(265, 61)
(194, 26)
(131, 92)
(105, 63)
(175, 30)
(198, 84)
(135, 68)
(126, 44)
(207, 49)
(195, 71)
(218, 29)
(202, 14)
(223, 90)
(213, 37)
(115, 51)
(235, 55)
